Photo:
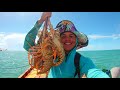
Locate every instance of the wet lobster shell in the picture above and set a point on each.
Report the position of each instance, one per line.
(50, 52)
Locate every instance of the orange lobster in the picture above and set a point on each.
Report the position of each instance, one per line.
(49, 52)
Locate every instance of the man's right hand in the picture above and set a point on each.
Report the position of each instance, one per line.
(44, 16)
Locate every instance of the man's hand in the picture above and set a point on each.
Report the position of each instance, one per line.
(44, 16)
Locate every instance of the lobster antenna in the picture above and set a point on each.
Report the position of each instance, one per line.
(45, 28)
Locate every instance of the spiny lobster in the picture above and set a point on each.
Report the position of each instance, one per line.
(49, 52)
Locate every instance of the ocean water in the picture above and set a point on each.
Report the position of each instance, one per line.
(14, 63)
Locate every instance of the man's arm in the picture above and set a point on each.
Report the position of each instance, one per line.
(90, 70)
(31, 36)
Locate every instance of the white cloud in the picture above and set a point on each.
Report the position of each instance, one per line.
(114, 36)
(99, 46)
(12, 41)
(15, 41)
(94, 47)
(89, 47)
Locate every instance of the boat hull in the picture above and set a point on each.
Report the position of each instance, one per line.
(32, 73)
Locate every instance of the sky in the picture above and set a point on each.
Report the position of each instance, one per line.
(102, 28)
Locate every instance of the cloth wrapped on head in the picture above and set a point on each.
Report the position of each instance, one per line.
(68, 26)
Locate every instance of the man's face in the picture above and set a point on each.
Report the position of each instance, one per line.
(68, 40)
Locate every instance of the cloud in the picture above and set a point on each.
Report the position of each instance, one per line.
(100, 46)
(12, 41)
(95, 47)
(89, 47)
(114, 36)
(15, 41)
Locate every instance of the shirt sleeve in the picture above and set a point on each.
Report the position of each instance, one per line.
(90, 70)
(31, 36)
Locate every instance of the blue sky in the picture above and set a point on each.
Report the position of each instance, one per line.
(102, 28)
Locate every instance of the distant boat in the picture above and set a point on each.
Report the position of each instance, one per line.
(2, 49)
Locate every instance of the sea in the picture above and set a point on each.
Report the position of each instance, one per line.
(15, 63)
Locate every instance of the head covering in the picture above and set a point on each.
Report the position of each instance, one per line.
(68, 26)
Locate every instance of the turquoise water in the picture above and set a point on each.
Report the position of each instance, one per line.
(14, 63)
(104, 58)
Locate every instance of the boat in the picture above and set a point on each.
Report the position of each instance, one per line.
(2, 49)
(32, 73)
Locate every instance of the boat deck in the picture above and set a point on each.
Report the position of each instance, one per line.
(32, 73)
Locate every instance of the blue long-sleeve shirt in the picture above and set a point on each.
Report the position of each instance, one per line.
(31, 36)
(67, 68)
